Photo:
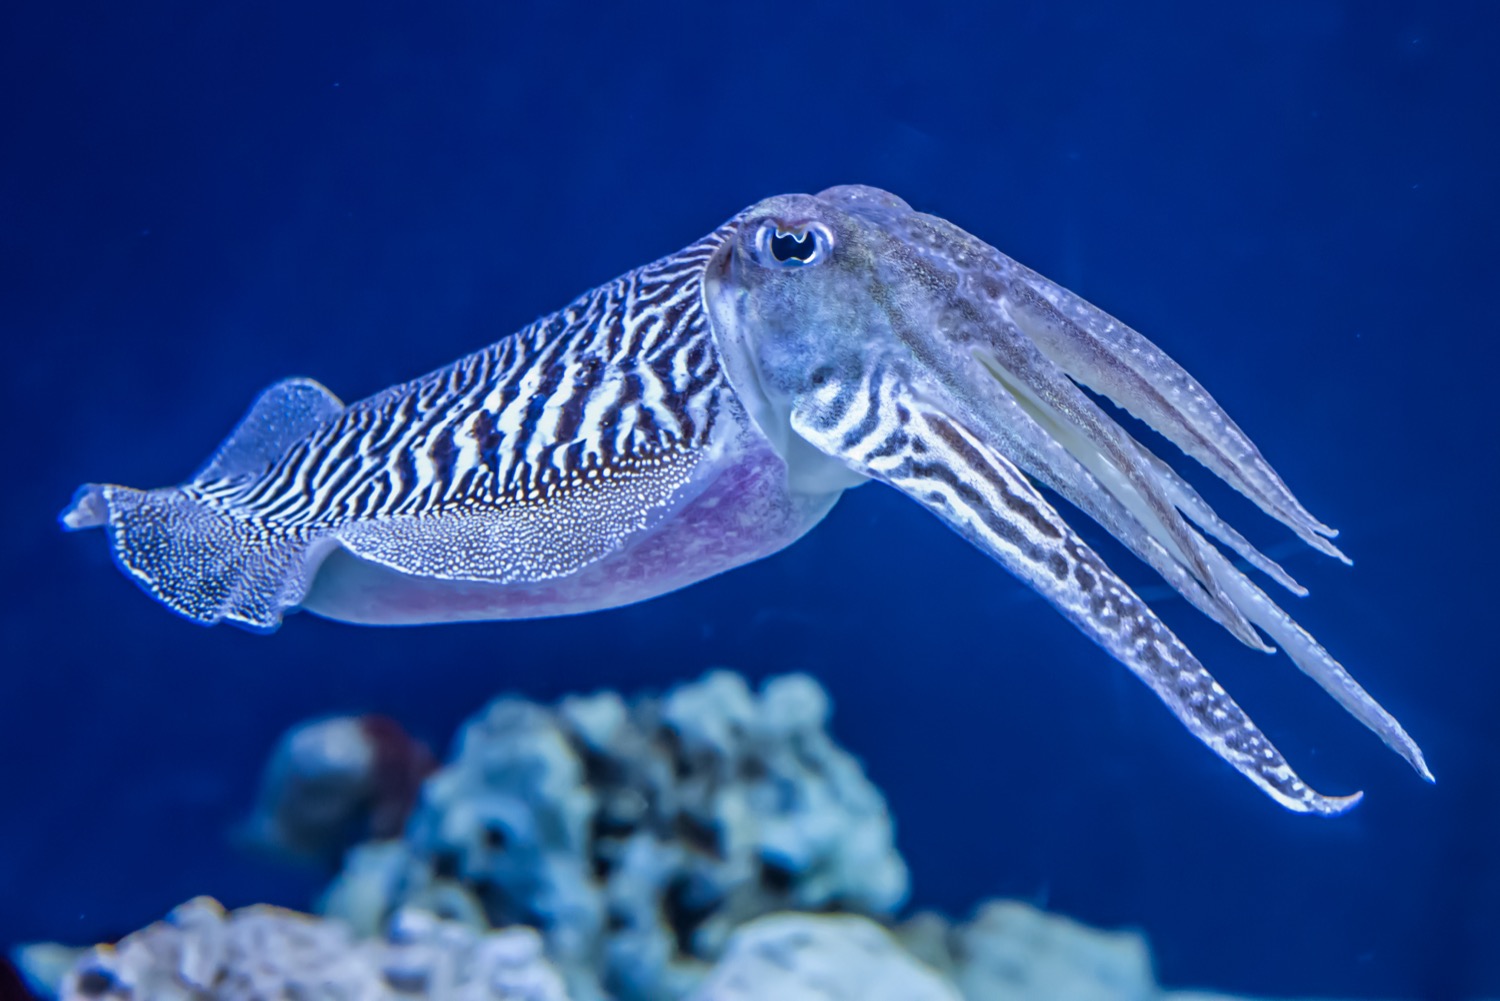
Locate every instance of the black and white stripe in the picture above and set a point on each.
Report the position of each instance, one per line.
(885, 432)
(625, 376)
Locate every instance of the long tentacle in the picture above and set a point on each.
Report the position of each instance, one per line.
(1192, 504)
(933, 458)
(1050, 451)
(1114, 360)
(1248, 601)
(1318, 664)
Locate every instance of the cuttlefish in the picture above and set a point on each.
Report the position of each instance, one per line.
(708, 409)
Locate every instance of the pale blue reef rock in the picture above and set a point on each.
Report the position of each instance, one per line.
(713, 844)
(200, 953)
(332, 782)
(832, 957)
(637, 837)
(1010, 952)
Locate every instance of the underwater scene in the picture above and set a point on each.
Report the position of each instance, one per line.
(688, 502)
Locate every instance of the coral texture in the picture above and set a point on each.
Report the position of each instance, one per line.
(713, 844)
(200, 953)
(333, 781)
(801, 957)
(638, 836)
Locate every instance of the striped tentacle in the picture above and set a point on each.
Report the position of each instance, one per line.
(886, 431)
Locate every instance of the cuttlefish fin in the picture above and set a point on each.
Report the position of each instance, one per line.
(202, 558)
(280, 416)
(935, 459)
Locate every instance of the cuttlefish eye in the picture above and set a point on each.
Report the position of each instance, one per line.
(778, 245)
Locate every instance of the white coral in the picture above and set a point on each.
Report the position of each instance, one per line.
(201, 953)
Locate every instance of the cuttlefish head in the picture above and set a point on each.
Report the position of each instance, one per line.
(811, 287)
(799, 302)
(871, 341)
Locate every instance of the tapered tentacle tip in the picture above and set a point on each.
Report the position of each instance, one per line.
(1420, 764)
(1257, 644)
(1397, 739)
(1285, 787)
(1325, 547)
(1332, 806)
(1243, 631)
(1277, 573)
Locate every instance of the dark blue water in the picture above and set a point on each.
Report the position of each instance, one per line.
(1298, 200)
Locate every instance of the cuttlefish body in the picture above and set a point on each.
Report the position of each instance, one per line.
(708, 409)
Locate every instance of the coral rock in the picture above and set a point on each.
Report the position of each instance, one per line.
(800, 957)
(637, 837)
(260, 953)
(331, 782)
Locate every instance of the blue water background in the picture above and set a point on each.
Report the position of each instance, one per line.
(1297, 200)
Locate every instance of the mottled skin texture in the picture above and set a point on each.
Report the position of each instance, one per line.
(708, 409)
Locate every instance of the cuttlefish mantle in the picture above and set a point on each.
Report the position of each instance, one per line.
(709, 408)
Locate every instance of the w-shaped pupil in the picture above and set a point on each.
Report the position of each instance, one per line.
(788, 247)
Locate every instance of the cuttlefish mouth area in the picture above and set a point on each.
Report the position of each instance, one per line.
(964, 379)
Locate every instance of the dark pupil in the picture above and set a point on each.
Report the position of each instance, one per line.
(789, 247)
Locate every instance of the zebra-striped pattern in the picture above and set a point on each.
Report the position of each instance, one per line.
(622, 379)
(882, 430)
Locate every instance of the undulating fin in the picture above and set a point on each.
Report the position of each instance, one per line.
(200, 557)
(204, 563)
(280, 416)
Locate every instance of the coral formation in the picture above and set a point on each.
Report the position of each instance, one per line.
(200, 953)
(802, 957)
(638, 836)
(713, 844)
(331, 782)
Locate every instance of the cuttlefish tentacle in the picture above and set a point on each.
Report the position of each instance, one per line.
(1051, 451)
(1073, 420)
(1318, 664)
(1152, 527)
(1117, 362)
(977, 368)
(1043, 423)
(706, 410)
(973, 324)
(926, 454)
(1198, 511)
